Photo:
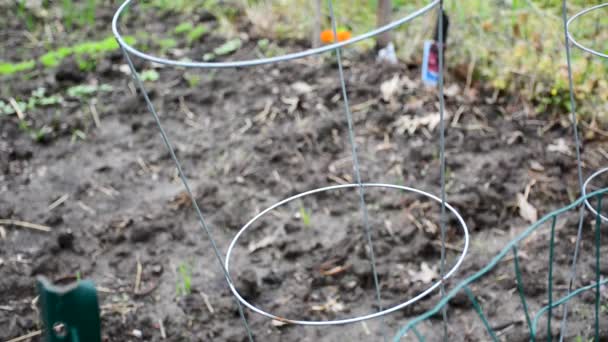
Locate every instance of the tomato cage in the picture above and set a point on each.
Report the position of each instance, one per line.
(531, 322)
(361, 186)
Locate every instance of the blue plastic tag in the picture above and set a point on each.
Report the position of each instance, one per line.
(430, 64)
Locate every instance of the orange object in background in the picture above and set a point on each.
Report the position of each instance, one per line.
(327, 36)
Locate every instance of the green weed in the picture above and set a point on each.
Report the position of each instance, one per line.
(184, 284)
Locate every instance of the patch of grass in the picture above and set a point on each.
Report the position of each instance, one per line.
(12, 68)
(184, 283)
(86, 52)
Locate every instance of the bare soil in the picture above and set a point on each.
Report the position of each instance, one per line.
(248, 138)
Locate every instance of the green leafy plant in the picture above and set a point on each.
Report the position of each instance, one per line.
(183, 28)
(184, 283)
(196, 33)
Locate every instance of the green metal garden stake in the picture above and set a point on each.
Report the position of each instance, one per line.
(70, 313)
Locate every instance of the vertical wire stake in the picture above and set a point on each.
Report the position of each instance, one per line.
(550, 280)
(201, 218)
(351, 136)
(442, 220)
(598, 277)
(572, 274)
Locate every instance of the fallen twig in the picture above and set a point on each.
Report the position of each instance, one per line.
(137, 277)
(207, 303)
(15, 106)
(162, 329)
(27, 336)
(58, 202)
(24, 224)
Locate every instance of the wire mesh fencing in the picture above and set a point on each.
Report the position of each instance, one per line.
(590, 201)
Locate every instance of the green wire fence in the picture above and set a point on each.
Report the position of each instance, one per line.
(531, 320)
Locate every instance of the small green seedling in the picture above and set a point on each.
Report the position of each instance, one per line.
(78, 134)
(305, 216)
(228, 47)
(83, 91)
(196, 33)
(183, 28)
(192, 79)
(184, 283)
(149, 75)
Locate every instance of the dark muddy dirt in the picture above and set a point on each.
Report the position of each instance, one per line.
(248, 138)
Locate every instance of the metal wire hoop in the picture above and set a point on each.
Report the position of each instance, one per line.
(587, 204)
(378, 314)
(571, 37)
(254, 62)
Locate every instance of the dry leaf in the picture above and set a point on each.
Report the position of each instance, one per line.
(536, 166)
(332, 305)
(526, 210)
(425, 275)
(263, 243)
(389, 88)
(410, 123)
(452, 90)
(277, 323)
(559, 146)
(302, 87)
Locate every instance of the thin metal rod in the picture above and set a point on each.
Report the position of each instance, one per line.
(520, 288)
(550, 280)
(442, 219)
(572, 275)
(261, 61)
(201, 218)
(598, 276)
(356, 167)
(480, 313)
